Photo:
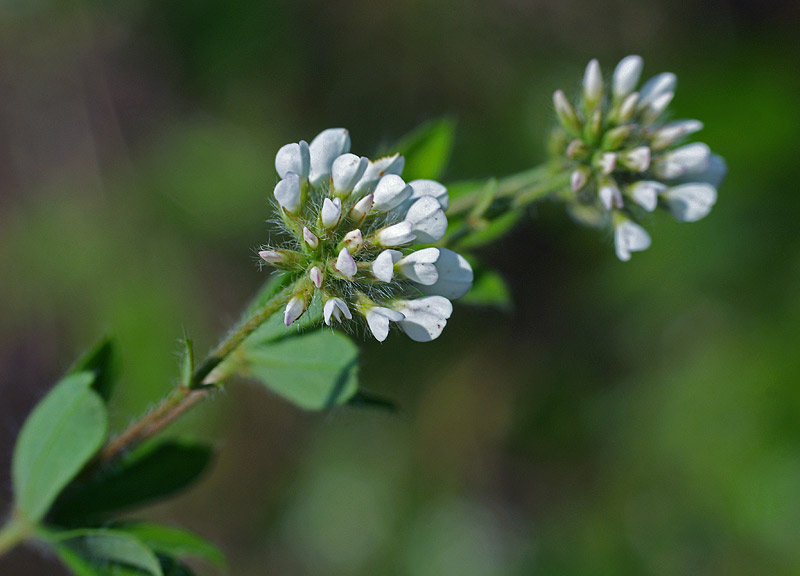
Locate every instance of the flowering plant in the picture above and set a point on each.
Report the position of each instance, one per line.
(355, 243)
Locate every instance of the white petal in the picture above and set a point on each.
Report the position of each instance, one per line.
(396, 235)
(310, 238)
(353, 241)
(335, 308)
(637, 159)
(316, 276)
(345, 264)
(379, 168)
(655, 87)
(455, 275)
(610, 196)
(287, 192)
(627, 107)
(294, 309)
(347, 170)
(420, 266)
(390, 192)
(428, 220)
(645, 193)
(657, 106)
(331, 211)
(691, 202)
(432, 188)
(378, 319)
(271, 256)
(592, 82)
(578, 179)
(674, 132)
(714, 173)
(383, 266)
(295, 158)
(360, 209)
(608, 161)
(690, 159)
(626, 75)
(630, 237)
(425, 317)
(326, 147)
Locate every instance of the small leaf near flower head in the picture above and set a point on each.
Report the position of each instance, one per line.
(428, 219)
(378, 319)
(420, 266)
(626, 76)
(454, 276)
(630, 237)
(691, 202)
(395, 235)
(295, 158)
(383, 266)
(336, 308)
(690, 159)
(424, 318)
(326, 147)
(347, 170)
(294, 309)
(645, 193)
(287, 192)
(331, 211)
(655, 87)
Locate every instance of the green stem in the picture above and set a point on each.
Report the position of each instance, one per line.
(13, 533)
(200, 387)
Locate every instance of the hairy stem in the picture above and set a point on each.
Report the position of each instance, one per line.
(184, 397)
(13, 533)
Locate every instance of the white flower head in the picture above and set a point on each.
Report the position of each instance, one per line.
(358, 231)
(620, 156)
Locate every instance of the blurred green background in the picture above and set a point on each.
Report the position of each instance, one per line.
(639, 418)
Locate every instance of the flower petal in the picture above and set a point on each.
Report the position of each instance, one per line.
(294, 157)
(331, 211)
(455, 276)
(424, 318)
(626, 75)
(383, 266)
(655, 87)
(345, 264)
(690, 159)
(379, 168)
(335, 308)
(378, 319)
(326, 147)
(294, 309)
(287, 192)
(630, 237)
(346, 171)
(428, 220)
(691, 202)
(420, 266)
(395, 235)
(390, 192)
(424, 187)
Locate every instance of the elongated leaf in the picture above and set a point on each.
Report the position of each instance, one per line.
(314, 371)
(81, 566)
(364, 399)
(494, 230)
(174, 542)
(488, 289)
(427, 149)
(100, 361)
(62, 433)
(101, 547)
(147, 474)
(187, 362)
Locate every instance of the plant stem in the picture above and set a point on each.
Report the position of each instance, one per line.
(14, 532)
(184, 397)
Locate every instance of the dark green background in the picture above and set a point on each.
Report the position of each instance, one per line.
(639, 418)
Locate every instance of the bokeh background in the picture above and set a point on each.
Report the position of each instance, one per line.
(639, 418)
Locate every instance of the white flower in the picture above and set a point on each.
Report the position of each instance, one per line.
(376, 169)
(345, 264)
(691, 202)
(630, 237)
(454, 275)
(326, 147)
(390, 192)
(287, 192)
(655, 87)
(430, 188)
(383, 266)
(690, 159)
(294, 309)
(395, 235)
(378, 319)
(347, 170)
(294, 157)
(645, 193)
(428, 220)
(592, 83)
(331, 211)
(424, 318)
(336, 308)
(626, 76)
(420, 266)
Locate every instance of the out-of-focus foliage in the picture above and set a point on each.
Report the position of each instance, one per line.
(637, 418)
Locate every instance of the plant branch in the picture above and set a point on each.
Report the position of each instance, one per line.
(14, 532)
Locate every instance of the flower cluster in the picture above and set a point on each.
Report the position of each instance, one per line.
(624, 158)
(355, 225)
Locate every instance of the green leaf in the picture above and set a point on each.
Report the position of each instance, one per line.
(59, 437)
(365, 399)
(488, 289)
(313, 371)
(494, 230)
(149, 473)
(427, 149)
(174, 542)
(100, 361)
(274, 330)
(92, 548)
